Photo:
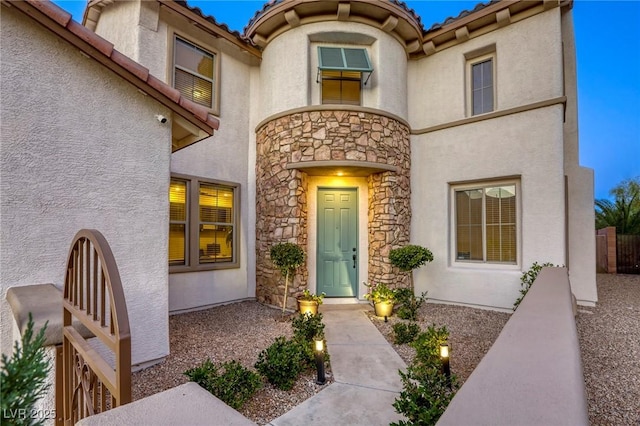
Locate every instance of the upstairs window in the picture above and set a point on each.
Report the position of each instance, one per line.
(341, 71)
(481, 80)
(194, 73)
(482, 86)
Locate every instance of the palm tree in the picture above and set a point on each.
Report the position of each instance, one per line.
(624, 212)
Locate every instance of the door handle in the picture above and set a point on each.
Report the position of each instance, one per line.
(354, 261)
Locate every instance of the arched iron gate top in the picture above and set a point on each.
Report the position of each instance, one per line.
(93, 295)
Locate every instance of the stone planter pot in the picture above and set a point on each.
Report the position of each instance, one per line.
(305, 306)
(383, 309)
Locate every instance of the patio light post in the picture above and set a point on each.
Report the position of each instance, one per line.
(444, 357)
(319, 355)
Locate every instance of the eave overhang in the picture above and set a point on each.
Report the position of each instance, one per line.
(196, 119)
(388, 16)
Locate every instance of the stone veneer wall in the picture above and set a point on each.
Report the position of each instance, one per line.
(281, 193)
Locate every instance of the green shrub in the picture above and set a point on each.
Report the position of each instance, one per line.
(306, 328)
(426, 391)
(405, 333)
(234, 385)
(427, 344)
(410, 257)
(409, 303)
(527, 279)
(23, 378)
(425, 395)
(282, 362)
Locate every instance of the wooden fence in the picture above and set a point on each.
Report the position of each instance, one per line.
(628, 254)
(617, 253)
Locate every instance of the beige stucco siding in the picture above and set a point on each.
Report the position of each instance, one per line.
(528, 60)
(225, 156)
(81, 149)
(119, 24)
(528, 146)
(290, 64)
(579, 182)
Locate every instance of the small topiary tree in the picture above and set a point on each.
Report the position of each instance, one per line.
(410, 257)
(287, 257)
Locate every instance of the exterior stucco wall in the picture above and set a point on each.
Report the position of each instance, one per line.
(580, 199)
(81, 149)
(119, 24)
(225, 156)
(528, 69)
(528, 145)
(290, 65)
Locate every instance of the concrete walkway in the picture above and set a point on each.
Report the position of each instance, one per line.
(365, 370)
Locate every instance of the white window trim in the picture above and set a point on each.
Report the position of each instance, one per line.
(192, 262)
(173, 34)
(477, 264)
(471, 61)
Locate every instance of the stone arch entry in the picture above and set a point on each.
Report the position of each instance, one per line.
(287, 146)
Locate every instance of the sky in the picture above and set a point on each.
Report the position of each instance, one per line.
(608, 59)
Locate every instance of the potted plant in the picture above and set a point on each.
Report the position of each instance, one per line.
(410, 257)
(309, 302)
(382, 297)
(287, 257)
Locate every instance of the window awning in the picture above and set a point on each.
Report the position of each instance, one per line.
(344, 59)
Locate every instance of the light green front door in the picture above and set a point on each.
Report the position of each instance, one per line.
(337, 251)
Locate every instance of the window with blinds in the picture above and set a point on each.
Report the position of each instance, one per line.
(215, 239)
(177, 222)
(486, 228)
(194, 72)
(341, 87)
(341, 70)
(203, 219)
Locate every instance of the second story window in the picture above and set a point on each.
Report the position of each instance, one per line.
(481, 80)
(194, 73)
(482, 86)
(341, 71)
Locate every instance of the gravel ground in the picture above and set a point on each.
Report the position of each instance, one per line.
(610, 345)
(609, 338)
(471, 333)
(238, 331)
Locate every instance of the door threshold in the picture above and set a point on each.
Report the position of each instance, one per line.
(342, 301)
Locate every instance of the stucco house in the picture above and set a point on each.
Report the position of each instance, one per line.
(347, 127)
(84, 146)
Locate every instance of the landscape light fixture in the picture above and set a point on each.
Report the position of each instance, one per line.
(319, 352)
(444, 357)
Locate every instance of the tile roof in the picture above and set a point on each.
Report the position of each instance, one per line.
(464, 13)
(59, 21)
(211, 19)
(218, 29)
(270, 4)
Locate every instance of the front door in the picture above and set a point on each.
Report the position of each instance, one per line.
(337, 251)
